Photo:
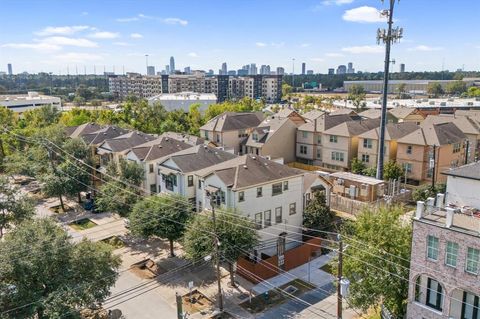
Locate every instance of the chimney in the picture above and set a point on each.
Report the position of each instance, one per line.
(420, 210)
(430, 205)
(315, 125)
(440, 200)
(450, 213)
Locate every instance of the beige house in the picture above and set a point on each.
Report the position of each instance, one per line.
(430, 150)
(340, 143)
(468, 125)
(291, 114)
(309, 137)
(229, 129)
(406, 114)
(273, 138)
(368, 142)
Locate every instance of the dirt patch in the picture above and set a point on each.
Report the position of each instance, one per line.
(57, 209)
(82, 224)
(147, 269)
(114, 241)
(196, 302)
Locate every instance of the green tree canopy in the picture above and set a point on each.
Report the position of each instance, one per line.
(318, 216)
(456, 88)
(392, 171)
(236, 235)
(357, 166)
(434, 89)
(162, 216)
(380, 238)
(42, 269)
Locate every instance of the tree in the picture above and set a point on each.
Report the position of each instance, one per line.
(456, 88)
(370, 171)
(425, 191)
(14, 207)
(286, 90)
(162, 216)
(357, 95)
(317, 215)
(41, 117)
(473, 92)
(434, 89)
(381, 239)
(52, 275)
(357, 166)
(55, 184)
(402, 89)
(392, 171)
(236, 234)
(115, 196)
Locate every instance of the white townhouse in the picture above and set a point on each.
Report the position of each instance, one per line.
(176, 171)
(269, 193)
(148, 154)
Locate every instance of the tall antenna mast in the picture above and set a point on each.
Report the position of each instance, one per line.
(388, 37)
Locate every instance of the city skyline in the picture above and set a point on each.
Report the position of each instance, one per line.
(333, 33)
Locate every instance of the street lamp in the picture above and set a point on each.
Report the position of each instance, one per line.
(389, 36)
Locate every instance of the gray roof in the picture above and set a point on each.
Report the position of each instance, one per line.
(313, 114)
(434, 134)
(249, 170)
(186, 138)
(393, 131)
(229, 121)
(402, 112)
(81, 130)
(324, 122)
(198, 157)
(353, 128)
(266, 130)
(126, 141)
(470, 171)
(98, 137)
(371, 114)
(158, 148)
(466, 124)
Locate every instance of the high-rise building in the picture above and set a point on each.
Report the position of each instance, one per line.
(342, 69)
(10, 69)
(402, 67)
(172, 65)
(350, 68)
(280, 71)
(331, 71)
(265, 70)
(210, 72)
(253, 69)
(310, 72)
(187, 70)
(304, 66)
(150, 70)
(224, 71)
(242, 72)
(167, 69)
(232, 72)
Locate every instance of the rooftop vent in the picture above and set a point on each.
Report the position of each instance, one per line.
(245, 166)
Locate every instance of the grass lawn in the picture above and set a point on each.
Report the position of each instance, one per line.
(82, 224)
(276, 296)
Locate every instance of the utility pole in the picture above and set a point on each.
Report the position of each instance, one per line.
(146, 63)
(434, 165)
(467, 151)
(293, 74)
(216, 243)
(179, 306)
(339, 278)
(387, 37)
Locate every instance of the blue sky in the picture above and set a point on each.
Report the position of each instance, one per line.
(49, 35)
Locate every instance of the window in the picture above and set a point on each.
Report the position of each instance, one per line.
(451, 254)
(319, 139)
(278, 215)
(241, 196)
(150, 168)
(190, 180)
(337, 156)
(268, 218)
(170, 182)
(319, 154)
(159, 188)
(153, 188)
(258, 220)
(333, 139)
(303, 149)
(304, 134)
(367, 143)
(276, 189)
(407, 167)
(434, 294)
(242, 133)
(409, 149)
(365, 158)
(222, 197)
(470, 306)
(255, 136)
(293, 208)
(199, 184)
(285, 186)
(456, 147)
(205, 134)
(432, 247)
(259, 191)
(472, 260)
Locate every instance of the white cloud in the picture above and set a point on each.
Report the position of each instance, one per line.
(138, 54)
(77, 57)
(317, 59)
(334, 55)
(425, 48)
(336, 2)
(65, 30)
(363, 49)
(65, 41)
(305, 45)
(122, 44)
(136, 36)
(363, 14)
(277, 44)
(84, 13)
(42, 47)
(193, 55)
(131, 19)
(175, 21)
(260, 44)
(104, 35)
